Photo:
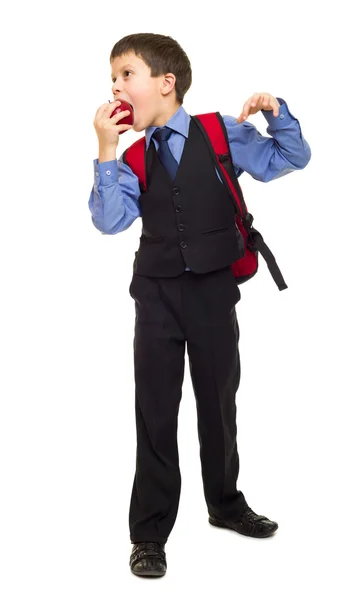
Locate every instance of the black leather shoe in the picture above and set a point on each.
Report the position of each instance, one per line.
(248, 523)
(148, 559)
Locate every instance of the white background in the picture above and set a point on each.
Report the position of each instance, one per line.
(67, 428)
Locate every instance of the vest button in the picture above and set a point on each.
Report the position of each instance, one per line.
(178, 208)
(176, 191)
(183, 245)
(181, 227)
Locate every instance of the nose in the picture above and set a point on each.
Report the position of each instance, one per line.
(116, 88)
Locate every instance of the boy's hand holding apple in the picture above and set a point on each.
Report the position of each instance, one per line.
(111, 120)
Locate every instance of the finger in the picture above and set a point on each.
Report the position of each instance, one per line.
(251, 102)
(124, 126)
(245, 112)
(274, 105)
(113, 105)
(107, 108)
(255, 99)
(265, 102)
(269, 102)
(100, 110)
(120, 114)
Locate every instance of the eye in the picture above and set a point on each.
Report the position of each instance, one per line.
(126, 71)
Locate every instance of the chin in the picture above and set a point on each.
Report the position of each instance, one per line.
(138, 128)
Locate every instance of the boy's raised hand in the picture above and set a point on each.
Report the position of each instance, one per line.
(259, 101)
(106, 128)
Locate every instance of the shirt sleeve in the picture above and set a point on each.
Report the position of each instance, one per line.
(267, 158)
(114, 199)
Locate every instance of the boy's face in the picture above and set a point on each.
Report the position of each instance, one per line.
(152, 98)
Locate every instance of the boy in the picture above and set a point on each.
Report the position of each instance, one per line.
(183, 286)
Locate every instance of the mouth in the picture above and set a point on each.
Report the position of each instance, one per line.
(125, 101)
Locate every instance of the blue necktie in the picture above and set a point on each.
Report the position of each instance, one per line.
(164, 153)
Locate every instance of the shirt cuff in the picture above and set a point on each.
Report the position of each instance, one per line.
(105, 173)
(283, 116)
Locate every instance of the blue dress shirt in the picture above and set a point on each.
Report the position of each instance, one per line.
(114, 198)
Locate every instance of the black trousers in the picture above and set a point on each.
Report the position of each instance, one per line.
(197, 309)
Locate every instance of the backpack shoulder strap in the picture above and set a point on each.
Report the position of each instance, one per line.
(214, 131)
(135, 158)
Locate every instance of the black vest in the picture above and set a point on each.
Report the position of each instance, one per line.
(190, 221)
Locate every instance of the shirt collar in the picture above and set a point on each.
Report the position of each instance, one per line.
(179, 122)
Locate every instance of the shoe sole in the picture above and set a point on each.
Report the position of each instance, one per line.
(148, 574)
(223, 526)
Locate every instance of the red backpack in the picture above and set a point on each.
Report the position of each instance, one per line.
(214, 131)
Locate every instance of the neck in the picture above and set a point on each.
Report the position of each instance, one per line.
(163, 118)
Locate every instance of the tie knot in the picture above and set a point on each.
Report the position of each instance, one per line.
(162, 134)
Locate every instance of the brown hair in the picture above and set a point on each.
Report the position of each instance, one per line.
(162, 54)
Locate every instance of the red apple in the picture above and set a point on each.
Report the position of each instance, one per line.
(128, 119)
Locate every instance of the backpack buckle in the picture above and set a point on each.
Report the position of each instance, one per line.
(248, 220)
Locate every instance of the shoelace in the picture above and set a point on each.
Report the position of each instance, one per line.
(251, 517)
(248, 515)
(144, 549)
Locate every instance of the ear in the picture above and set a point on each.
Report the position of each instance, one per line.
(168, 83)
